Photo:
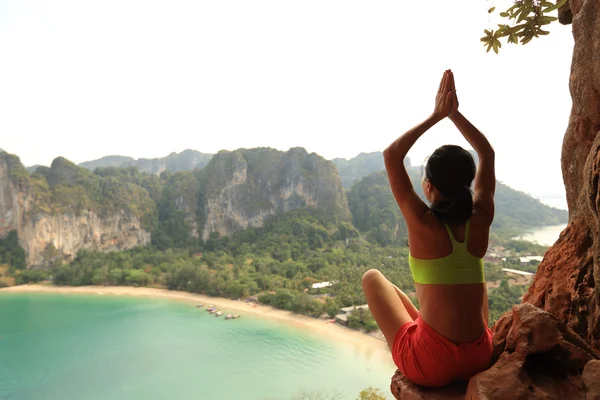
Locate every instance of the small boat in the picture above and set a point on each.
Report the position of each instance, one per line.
(235, 316)
(199, 305)
(229, 316)
(219, 313)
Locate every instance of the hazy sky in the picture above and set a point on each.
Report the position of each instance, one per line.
(84, 79)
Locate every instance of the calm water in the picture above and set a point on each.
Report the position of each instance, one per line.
(56, 346)
(545, 236)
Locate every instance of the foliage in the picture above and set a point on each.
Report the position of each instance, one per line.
(371, 394)
(353, 170)
(305, 394)
(16, 171)
(522, 246)
(493, 272)
(375, 212)
(11, 253)
(502, 299)
(177, 211)
(31, 276)
(67, 188)
(527, 18)
(362, 319)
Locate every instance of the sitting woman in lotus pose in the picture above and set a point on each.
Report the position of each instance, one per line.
(448, 339)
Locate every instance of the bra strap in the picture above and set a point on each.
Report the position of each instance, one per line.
(467, 226)
(449, 232)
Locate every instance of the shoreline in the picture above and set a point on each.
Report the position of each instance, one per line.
(360, 342)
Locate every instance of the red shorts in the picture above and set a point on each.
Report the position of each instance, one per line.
(427, 358)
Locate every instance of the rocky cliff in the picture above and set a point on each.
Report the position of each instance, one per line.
(241, 189)
(61, 210)
(13, 198)
(565, 284)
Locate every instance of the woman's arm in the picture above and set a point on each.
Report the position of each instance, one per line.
(485, 179)
(412, 207)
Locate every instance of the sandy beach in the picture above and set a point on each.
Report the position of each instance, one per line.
(359, 342)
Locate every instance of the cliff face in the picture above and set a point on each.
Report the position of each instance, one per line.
(47, 237)
(57, 214)
(13, 199)
(241, 189)
(565, 284)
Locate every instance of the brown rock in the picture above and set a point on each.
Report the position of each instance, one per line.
(404, 389)
(590, 380)
(565, 284)
(542, 359)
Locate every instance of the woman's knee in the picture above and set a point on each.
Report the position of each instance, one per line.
(371, 276)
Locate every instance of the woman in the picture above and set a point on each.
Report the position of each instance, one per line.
(449, 339)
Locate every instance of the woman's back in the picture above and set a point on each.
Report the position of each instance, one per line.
(454, 310)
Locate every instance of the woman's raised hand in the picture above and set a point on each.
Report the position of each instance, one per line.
(454, 97)
(444, 99)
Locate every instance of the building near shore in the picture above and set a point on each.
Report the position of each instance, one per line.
(342, 317)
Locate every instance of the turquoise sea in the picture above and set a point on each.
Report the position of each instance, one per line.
(74, 346)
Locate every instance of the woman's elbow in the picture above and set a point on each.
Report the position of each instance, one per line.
(489, 154)
(387, 154)
(391, 158)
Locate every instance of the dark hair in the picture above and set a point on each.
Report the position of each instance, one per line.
(451, 170)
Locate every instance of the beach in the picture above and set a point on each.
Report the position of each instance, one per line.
(358, 341)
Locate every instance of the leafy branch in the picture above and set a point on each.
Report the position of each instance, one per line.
(527, 18)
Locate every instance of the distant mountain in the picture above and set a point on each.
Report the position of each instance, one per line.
(33, 168)
(187, 160)
(108, 161)
(354, 169)
(2, 151)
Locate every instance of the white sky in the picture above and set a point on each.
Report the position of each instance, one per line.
(84, 79)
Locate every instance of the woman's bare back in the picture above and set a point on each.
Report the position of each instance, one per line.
(455, 311)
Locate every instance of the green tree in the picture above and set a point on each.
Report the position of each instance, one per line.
(371, 394)
(526, 18)
(11, 253)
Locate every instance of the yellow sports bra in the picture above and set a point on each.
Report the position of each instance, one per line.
(457, 268)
